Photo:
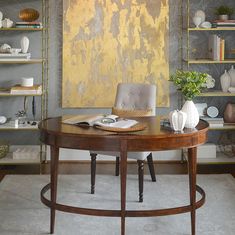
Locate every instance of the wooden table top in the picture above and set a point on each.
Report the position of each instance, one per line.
(153, 137)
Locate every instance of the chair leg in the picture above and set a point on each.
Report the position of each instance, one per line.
(117, 166)
(151, 167)
(141, 179)
(93, 171)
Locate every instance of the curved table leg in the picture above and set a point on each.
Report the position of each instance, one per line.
(192, 169)
(54, 176)
(123, 156)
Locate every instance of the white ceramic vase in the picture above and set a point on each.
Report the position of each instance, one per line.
(197, 21)
(225, 81)
(24, 43)
(192, 114)
(177, 120)
(231, 73)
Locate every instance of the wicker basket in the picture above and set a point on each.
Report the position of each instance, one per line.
(4, 148)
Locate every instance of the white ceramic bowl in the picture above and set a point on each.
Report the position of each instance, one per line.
(27, 82)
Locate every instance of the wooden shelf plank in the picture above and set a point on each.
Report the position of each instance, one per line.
(8, 94)
(209, 61)
(213, 29)
(8, 160)
(31, 61)
(221, 158)
(217, 93)
(224, 127)
(10, 126)
(21, 29)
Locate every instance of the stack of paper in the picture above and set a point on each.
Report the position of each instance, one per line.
(216, 47)
(214, 122)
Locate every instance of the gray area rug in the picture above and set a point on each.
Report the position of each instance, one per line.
(22, 213)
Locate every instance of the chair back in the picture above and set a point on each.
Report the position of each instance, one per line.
(136, 96)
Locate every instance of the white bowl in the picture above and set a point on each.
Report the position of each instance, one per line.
(27, 82)
(205, 25)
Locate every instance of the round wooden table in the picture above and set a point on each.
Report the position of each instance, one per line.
(155, 137)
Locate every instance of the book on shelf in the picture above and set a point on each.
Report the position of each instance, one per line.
(29, 26)
(222, 48)
(223, 23)
(34, 24)
(216, 47)
(100, 120)
(20, 90)
(214, 122)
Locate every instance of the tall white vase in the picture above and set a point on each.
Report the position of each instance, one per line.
(231, 73)
(192, 114)
(225, 81)
(24, 43)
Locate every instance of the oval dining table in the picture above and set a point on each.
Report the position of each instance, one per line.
(154, 137)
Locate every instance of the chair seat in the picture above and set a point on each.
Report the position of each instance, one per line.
(133, 155)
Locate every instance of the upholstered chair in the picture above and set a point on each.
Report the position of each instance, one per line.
(132, 99)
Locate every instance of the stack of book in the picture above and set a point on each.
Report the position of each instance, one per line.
(223, 23)
(14, 56)
(33, 24)
(216, 47)
(21, 90)
(214, 122)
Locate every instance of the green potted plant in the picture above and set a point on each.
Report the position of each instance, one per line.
(224, 12)
(190, 83)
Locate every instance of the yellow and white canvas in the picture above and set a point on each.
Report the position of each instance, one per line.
(107, 42)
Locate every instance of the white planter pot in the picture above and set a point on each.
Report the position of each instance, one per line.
(192, 114)
(24, 43)
(223, 17)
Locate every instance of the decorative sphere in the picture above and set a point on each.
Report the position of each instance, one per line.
(29, 15)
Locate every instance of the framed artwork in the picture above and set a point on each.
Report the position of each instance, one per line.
(108, 42)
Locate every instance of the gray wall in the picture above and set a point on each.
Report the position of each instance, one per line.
(56, 59)
(10, 73)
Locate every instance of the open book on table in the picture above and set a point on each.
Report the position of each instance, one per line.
(101, 120)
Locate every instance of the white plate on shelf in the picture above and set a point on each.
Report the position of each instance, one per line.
(212, 111)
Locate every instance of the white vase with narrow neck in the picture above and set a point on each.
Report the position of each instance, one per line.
(231, 73)
(24, 43)
(192, 114)
(225, 81)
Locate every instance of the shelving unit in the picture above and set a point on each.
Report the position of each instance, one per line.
(191, 62)
(30, 61)
(21, 29)
(212, 29)
(42, 66)
(216, 93)
(208, 61)
(221, 158)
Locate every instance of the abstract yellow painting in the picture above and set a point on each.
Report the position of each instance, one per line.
(106, 42)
